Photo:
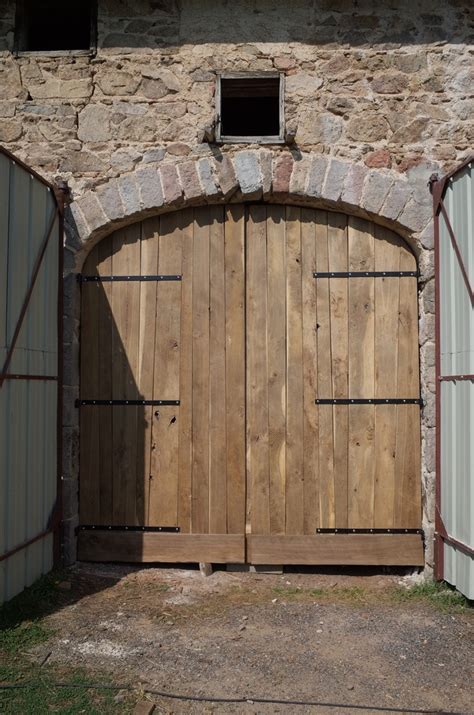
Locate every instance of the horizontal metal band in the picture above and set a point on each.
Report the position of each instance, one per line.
(366, 274)
(371, 401)
(42, 378)
(101, 527)
(369, 531)
(113, 279)
(112, 403)
(455, 378)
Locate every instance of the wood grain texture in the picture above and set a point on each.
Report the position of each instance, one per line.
(361, 376)
(160, 547)
(235, 367)
(258, 474)
(294, 375)
(217, 377)
(276, 340)
(201, 350)
(337, 549)
(311, 516)
(324, 381)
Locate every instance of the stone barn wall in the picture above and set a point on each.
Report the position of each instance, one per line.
(380, 94)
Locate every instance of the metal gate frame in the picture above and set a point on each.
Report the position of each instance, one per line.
(60, 193)
(438, 189)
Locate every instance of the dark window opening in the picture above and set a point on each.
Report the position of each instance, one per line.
(53, 25)
(250, 107)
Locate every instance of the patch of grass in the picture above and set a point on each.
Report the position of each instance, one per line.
(437, 594)
(40, 696)
(21, 625)
(288, 591)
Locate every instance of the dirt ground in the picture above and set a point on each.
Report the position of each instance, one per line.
(351, 643)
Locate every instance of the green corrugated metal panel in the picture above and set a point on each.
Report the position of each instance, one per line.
(28, 409)
(457, 398)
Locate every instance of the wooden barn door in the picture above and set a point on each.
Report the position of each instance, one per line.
(333, 414)
(163, 391)
(249, 391)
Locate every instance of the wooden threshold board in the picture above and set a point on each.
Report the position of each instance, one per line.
(337, 550)
(143, 547)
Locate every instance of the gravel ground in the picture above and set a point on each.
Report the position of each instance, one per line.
(347, 642)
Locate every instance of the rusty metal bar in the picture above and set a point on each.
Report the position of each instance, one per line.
(25, 544)
(454, 378)
(457, 251)
(436, 191)
(24, 307)
(44, 378)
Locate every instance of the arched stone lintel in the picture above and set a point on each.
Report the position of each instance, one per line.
(383, 196)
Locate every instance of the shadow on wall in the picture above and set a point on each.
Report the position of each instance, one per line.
(154, 23)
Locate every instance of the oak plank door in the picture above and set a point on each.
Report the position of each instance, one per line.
(225, 345)
(162, 474)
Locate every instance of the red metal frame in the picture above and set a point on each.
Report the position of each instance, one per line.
(54, 525)
(438, 188)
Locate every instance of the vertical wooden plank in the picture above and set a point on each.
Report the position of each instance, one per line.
(104, 415)
(163, 509)
(90, 477)
(201, 348)
(294, 375)
(361, 376)
(217, 378)
(407, 461)
(258, 507)
(186, 375)
(310, 387)
(146, 363)
(276, 331)
(324, 377)
(387, 258)
(338, 301)
(126, 311)
(235, 367)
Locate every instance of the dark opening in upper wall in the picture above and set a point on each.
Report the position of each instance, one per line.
(55, 26)
(250, 108)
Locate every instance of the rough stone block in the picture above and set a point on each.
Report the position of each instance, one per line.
(110, 200)
(317, 172)
(426, 237)
(396, 200)
(190, 180)
(247, 170)
(376, 188)
(282, 171)
(130, 194)
(149, 186)
(299, 177)
(92, 211)
(172, 189)
(206, 177)
(76, 220)
(94, 124)
(415, 215)
(266, 162)
(226, 176)
(334, 181)
(353, 184)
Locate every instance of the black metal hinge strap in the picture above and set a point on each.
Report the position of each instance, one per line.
(112, 279)
(369, 531)
(101, 527)
(372, 401)
(112, 403)
(366, 274)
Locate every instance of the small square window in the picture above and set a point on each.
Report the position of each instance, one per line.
(53, 26)
(250, 108)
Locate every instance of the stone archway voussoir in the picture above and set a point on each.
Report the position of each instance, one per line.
(253, 174)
